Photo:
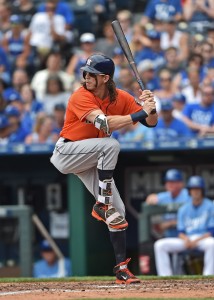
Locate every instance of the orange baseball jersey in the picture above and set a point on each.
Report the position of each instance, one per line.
(82, 102)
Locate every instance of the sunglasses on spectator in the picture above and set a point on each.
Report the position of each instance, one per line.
(50, 8)
(165, 79)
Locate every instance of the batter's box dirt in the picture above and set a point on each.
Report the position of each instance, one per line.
(171, 289)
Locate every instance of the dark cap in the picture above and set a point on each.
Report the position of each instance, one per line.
(166, 104)
(173, 175)
(4, 122)
(45, 246)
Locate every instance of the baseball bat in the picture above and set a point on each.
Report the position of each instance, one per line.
(127, 52)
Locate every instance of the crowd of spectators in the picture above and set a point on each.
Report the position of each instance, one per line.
(42, 48)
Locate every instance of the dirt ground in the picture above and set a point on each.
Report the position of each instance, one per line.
(199, 288)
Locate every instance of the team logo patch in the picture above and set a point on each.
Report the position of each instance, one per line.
(89, 61)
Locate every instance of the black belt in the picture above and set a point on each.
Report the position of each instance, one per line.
(67, 140)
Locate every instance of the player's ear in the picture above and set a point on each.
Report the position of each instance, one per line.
(106, 78)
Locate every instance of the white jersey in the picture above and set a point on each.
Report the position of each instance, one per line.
(166, 42)
(40, 28)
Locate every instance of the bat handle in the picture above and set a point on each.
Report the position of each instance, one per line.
(142, 88)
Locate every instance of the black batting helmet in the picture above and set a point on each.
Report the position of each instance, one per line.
(99, 64)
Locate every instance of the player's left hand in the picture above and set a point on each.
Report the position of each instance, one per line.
(146, 95)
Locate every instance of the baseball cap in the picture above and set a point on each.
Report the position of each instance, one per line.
(153, 34)
(15, 19)
(117, 51)
(11, 94)
(173, 175)
(12, 111)
(59, 106)
(178, 97)
(145, 65)
(166, 104)
(87, 38)
(45, 246)
(4, 122)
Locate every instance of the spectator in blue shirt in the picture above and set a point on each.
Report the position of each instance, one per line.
(50, 266)
(199, 117)
(175, 193)
(18, 133)
(169, 128)
(147, 73)
(4, 66)
(160, 10)
(154, 52)
(196, 230)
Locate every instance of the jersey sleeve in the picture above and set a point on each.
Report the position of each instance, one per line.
(82, 104)
(180, 220)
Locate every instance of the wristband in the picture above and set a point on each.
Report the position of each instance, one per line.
(139, 116)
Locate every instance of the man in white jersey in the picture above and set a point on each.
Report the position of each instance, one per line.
(195, 230)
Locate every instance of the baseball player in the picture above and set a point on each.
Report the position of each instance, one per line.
(195, 227)
(175, 193)
(86, 149)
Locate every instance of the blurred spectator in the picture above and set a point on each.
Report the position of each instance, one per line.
(170, 128)
(15, 42)
(55, 94)
(19, 78)
(172, 62)
(125, 18)
(179, 101)
(4, 129)
(78, 59)
(4, 66)
(181, 80)
(161, 10)
(139, 40)
(147, 73)
(210, 34)
(25, 9)
(119, 62)
(165, 90)
(31, 107)
(207, 52)
(43, 131)
(192, 91)
(53, 67)
(199, 117)
(172, 37)
(3, 103)
(47, 30)
(17, 132)
(107, 43)
(50, 266)
(125, 79)
(60, 8)
(198, 14)
(174, 193)
(12, 97)
(133, 133)
(196, 229)
(154, 51)
(59, 117)
(5, 13)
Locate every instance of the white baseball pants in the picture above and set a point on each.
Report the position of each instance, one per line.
(165, 246)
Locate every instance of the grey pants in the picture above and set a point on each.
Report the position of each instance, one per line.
(83, 158)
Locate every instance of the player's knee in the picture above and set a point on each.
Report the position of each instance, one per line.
(159, 245)
(114, 145)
